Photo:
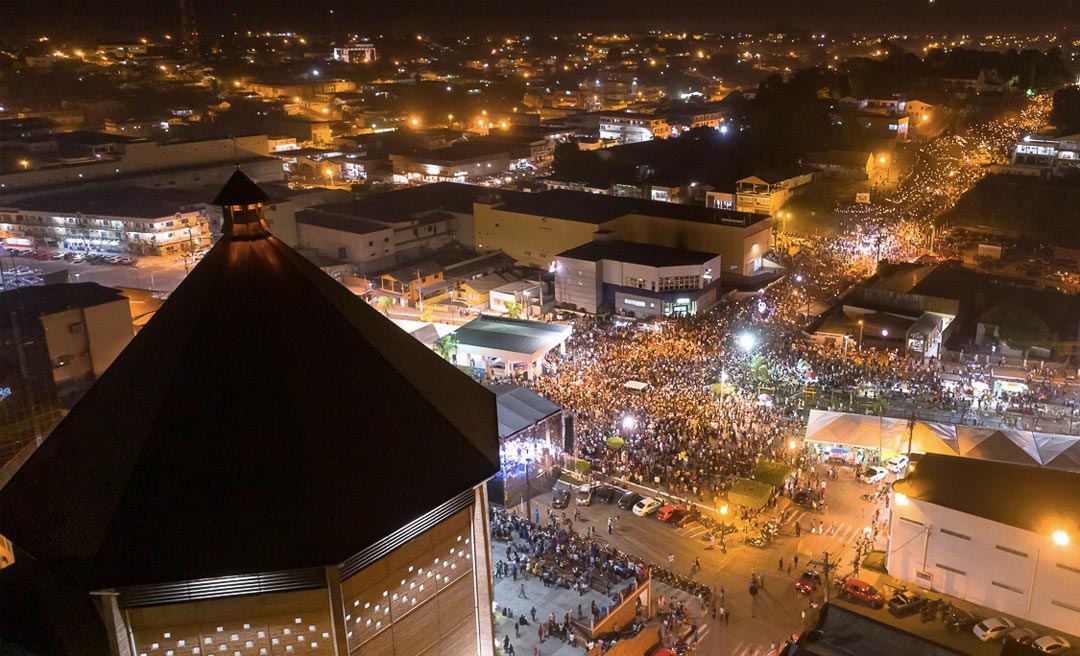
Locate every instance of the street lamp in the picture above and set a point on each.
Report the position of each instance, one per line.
(329, 172)
(629, 423)
(747, 341)
(884, 333)
(860, 333)
(25, 163)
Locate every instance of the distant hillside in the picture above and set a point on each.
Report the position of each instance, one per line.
(1043, 210)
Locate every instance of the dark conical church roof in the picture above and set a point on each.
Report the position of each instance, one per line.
(265, 419)
(239, 189)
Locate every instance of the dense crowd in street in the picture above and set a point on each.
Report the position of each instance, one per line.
(692, 435)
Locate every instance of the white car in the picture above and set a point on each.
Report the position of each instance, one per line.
(874, 475)
(1051, 644)
(992, 628)
(897, 464)
(646, 507)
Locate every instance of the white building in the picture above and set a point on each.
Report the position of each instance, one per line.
(1047, 154)
(626, 127)
(356, 53)
(637, 279)
(1000, 535)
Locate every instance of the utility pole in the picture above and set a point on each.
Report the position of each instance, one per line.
(826, 570)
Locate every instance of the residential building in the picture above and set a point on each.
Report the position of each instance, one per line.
(768, 190)
(55, 341)
(476, 293)
(637, 279)
(356, 53)
(841, 164)
(526, 293)
(414, 284)
(884, 126)
(113, 220)
(628, 127)
(1045, 154)
(380, 230)
(180, 528)
(996, 534)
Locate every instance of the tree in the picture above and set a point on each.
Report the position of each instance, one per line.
(1023, 328)
(759, 369)
(446, 347)
(1065, 114)
(513, 309)
(384, 304)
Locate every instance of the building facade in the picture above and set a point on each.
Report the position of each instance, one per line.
(995, 534)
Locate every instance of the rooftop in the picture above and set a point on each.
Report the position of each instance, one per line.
(585, 207)
(1040, 500)
(514, 335)
(520, 407)
(634, 253)
(39, 300)
(129, 202)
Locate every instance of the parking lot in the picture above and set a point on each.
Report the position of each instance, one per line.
(23, 267)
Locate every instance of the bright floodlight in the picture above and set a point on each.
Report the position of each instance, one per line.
(798, 278)
(884, 332)
(791, 445)
(629, 422)
(747, 341)
(723, 509)
(901, 499)
(1061, 538)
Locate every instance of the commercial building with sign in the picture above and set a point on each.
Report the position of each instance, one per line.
(637, 279)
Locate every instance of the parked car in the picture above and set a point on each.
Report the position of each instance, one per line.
(667, 510)
(685, 518)
(897, 464)
(604, 493)
(629, 499)
(561, 499)
(905, 603)
(861, 591)
(584, 495)
(809, 581)
(1051, 644)
(1022, 635)
(958, 620)
(874, 475)
(646, 506)
(992, 628)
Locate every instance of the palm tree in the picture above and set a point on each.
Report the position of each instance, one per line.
(513, 309)
(384, 304)
(446, 347)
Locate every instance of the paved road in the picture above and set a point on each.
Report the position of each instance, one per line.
(779, 607)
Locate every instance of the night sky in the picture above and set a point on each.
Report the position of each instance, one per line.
(81, 19)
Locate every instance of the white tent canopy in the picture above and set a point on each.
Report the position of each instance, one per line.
(890, 435)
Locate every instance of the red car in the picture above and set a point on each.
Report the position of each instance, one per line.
(808, 582)
(667, 511)
(861, 591)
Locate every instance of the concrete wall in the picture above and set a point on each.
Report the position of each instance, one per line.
(579, 282)
(368, 252)
(1015, 571)
(527, 238)
(737, 246)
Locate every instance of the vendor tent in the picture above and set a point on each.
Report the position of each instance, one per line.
(636, 385)
(890, 435)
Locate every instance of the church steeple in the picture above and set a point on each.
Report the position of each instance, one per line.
(241, 202)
